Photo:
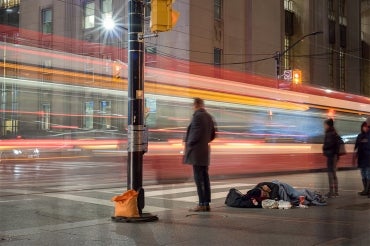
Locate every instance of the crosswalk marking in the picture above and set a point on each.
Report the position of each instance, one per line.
(185, 193)
(173, 191)
(150, 209)
(216, 195)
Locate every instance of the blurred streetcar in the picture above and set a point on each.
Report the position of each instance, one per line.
(66, 104)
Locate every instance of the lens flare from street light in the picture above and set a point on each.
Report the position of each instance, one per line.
(108, 23)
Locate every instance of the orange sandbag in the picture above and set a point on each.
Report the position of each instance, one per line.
(125, 205)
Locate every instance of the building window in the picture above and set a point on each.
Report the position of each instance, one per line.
(45, 117)
(287, 53)
(9, 3)
(147, 8)
(288, 5)
(331, 14)
(88, 121)
(105, 111)
(107, 10)
(47, 21)
(217, 56)
(89, 11)
(342, 71)
(218, 9)
(342, 8)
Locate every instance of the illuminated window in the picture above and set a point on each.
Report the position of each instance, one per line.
(88, 121)
(287, 53)
(47, 21)
(105, 111)
(45, 117)
(9, 3)
(89, 10)
(218, 9)
(217, 56)
(106, 9)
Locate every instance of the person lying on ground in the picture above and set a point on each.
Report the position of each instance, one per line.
(274, 190)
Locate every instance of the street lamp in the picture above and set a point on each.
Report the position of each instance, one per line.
(136, 129)
(108, 23)
(279, 55)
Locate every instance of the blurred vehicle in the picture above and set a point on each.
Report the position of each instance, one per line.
(19, 155)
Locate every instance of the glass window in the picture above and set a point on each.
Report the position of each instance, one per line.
(9, 3)
(342, 8)
(89, 15)
(105, 111)
(45, 117)
(106, 6)
(106, 9)
(217, 56)
(147, 8)
(218, 9)
(88, 121)
(47, 21)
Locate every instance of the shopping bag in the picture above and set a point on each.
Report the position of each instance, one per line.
(125, 205)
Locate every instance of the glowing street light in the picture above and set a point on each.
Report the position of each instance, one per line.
(108, 23)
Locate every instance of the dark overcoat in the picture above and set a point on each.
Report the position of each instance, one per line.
(363, 150)
(330, 146)
(199, 134)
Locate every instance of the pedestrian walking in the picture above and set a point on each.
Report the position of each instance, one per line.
(200, 133)
(330, 150)
(362, 156)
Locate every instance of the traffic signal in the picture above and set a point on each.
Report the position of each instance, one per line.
(162, 17)
(116, 70)
(297, 76)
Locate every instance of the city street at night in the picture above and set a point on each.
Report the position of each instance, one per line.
(68, 203)
(184, 122)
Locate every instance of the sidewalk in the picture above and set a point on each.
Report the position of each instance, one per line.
(46, 220)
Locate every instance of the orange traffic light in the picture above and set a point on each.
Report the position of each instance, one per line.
(116, 70)
(297, 76)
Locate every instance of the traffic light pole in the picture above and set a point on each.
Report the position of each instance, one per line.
(136, 132)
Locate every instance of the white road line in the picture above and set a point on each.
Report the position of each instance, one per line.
(175, 190)
(215, 195)
(150, 209)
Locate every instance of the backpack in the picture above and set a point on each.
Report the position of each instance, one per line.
(341, 148)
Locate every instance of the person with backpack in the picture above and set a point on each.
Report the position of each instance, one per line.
(330, 151)
(363, 158)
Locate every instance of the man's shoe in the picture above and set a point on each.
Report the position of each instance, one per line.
(363, 193)
(208, 208)
(199, 209)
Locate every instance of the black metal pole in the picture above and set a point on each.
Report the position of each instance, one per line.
(136, 129)
(279, 54)
(277, 64)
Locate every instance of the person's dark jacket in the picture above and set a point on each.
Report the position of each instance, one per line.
(362, 146)
(200, 133)
(274, 193)
(330, 147)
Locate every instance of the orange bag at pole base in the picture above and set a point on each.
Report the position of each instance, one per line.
(125, 205)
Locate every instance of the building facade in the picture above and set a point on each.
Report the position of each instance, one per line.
(242, 35)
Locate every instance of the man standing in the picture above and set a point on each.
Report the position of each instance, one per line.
(330, 150)
(200, 133)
